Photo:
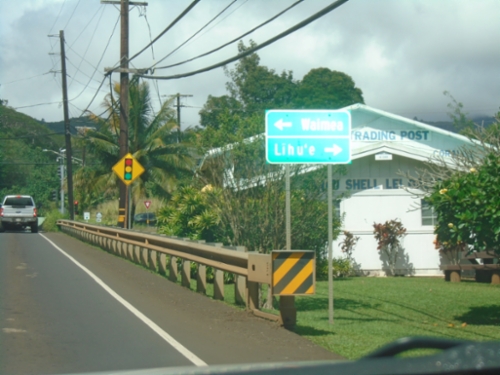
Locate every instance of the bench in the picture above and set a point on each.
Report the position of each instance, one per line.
(488, 272)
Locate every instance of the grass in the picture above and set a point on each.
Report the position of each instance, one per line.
(371, 312)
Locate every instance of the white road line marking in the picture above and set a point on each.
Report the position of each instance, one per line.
(164, 335)
(13, 330)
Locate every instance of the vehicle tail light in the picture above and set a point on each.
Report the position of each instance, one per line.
(1, 211)
(34, 212)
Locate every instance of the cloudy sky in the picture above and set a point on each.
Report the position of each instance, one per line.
(401, 53)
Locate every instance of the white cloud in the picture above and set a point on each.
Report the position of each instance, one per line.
(402, 54)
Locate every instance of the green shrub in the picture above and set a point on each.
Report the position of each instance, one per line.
(50, 223)
(342, 267)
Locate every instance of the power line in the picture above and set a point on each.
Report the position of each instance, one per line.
(25, 79)
(88, 24)
(298, 26)
(233, 40)
(196, 33)
(93, 98)
(57, 18)
(102, 56)
(72, 14)
(179, 17)
(91, 38)
(36, 105)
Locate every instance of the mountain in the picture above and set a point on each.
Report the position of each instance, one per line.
(74, 124)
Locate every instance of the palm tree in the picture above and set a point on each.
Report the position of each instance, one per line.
(152, 140)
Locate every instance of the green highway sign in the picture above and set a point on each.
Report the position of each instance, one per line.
(308, 137)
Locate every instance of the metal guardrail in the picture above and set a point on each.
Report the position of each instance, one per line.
(160, 253)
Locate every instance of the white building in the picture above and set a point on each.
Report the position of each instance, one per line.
(384, 148)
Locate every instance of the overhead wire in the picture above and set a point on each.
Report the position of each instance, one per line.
(58, 15)
(72, 14)
(155, 83)
(36, 105)
(96, 67)
(179, 17)
(91, 38)
(298, 26)
(223, 18)
(25, 79)
(233, 40)
(196, 33)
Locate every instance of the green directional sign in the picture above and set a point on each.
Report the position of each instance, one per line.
(308, 136)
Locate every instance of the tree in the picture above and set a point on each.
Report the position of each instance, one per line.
(152, 140)
(257, 87)
(218, 110)
(468, 207)
(251, 202)
(323, 88)
(461, 122)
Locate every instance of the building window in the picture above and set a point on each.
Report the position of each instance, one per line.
(429, 216)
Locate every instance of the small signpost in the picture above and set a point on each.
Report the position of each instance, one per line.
(86, 216)
(308, 137)
(147, 204)
(98, 217)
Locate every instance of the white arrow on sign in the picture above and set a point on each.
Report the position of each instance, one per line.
(280, 124)
(335, 150)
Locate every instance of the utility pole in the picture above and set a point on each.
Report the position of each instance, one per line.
(67, 132)
(178, 105)
(124, 107)
(123, 142)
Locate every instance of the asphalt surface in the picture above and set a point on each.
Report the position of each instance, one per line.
(55, 318)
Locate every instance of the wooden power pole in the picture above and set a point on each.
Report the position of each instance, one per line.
(67, 131)
(123, 142)
(123, 211)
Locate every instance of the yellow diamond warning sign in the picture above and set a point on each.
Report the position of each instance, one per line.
(128, 169)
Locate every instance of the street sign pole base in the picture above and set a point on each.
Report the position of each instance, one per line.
(288, 312)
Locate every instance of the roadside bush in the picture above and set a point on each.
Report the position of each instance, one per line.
(50, 223)
(389, 236)
(342, 267)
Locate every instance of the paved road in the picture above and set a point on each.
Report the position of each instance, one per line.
(69, 307)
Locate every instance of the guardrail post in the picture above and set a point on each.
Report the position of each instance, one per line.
(173, 273)
(152, 260)
(201, 279)
(130, 252)
(144, 257)
(240, 283)
(137, 254)
(218, 280)
(162, 264)
(186, 273)
(218, 284)
(252, 292)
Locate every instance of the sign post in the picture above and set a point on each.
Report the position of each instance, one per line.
(309, 137)
(147, 204)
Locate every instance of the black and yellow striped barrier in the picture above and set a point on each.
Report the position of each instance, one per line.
(293, 273)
